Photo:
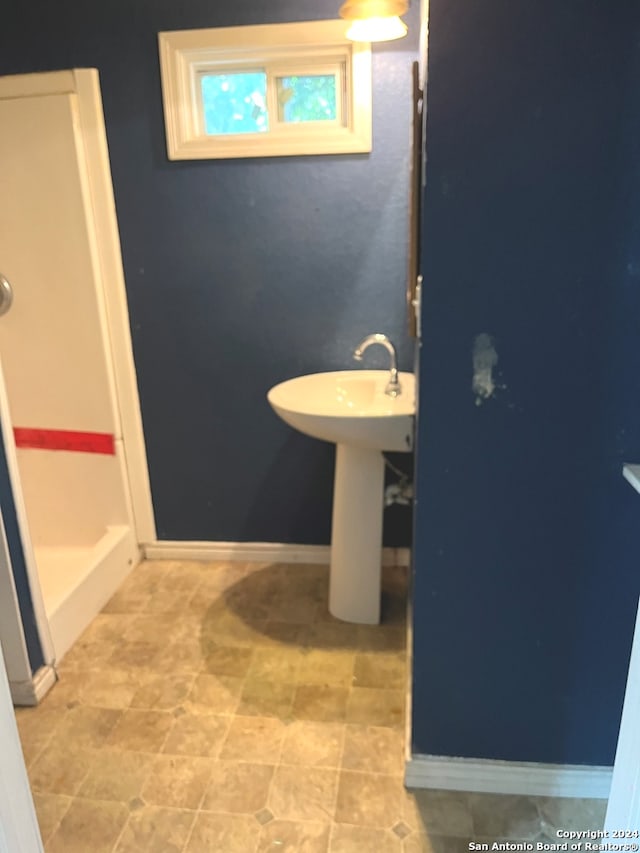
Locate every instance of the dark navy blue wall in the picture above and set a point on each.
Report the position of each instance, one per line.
(527, 574)
(239, 273)
(16, 554)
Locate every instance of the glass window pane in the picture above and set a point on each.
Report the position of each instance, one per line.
(234, 103)
(311, 97)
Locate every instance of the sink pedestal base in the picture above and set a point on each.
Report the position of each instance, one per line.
(356, 538)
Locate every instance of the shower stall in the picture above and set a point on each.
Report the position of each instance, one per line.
(68, 395)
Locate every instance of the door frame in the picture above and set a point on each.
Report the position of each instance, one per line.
(623, 808)
(24, 690)
(19, 832)
(12, 639)
(114, 319)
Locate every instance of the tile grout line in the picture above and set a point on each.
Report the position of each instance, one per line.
(339, 770)
(48, 741)
(190, 833)
(142, 784)
(121, 833)
(152, 672)
(46, 841)
(198, 809)
(279, 763)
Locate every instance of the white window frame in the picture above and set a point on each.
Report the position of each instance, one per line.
(312, 47)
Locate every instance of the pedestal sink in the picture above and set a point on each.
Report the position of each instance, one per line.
(350, 408)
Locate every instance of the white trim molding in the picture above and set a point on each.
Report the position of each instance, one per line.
(113, 299)
(623, 809)
(272, 552)
(7, 583)
(43, 681)
(507, 777)
(19, 832)
(631, 473)
(276, 51)
(30, 692)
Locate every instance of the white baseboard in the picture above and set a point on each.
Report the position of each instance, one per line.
(23, 693)
(507, 777)
(29, 693)
(43, 681)
(271, 552)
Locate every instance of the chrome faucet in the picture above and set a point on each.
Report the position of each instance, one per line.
(393, 386)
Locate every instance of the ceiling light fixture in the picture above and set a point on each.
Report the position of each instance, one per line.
(375, 20)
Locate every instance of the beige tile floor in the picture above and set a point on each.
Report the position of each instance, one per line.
(218, 707)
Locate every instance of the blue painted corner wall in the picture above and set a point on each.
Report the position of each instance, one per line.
(526, 552)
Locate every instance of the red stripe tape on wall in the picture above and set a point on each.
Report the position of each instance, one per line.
(63, 439)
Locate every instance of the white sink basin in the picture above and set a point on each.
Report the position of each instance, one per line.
(349, 407)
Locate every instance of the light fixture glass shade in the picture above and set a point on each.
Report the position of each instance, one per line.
(377, 29)
(375, 20)
(352, 9)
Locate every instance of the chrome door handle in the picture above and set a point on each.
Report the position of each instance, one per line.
(6, 295)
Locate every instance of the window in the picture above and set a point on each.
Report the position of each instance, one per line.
(265, 91)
